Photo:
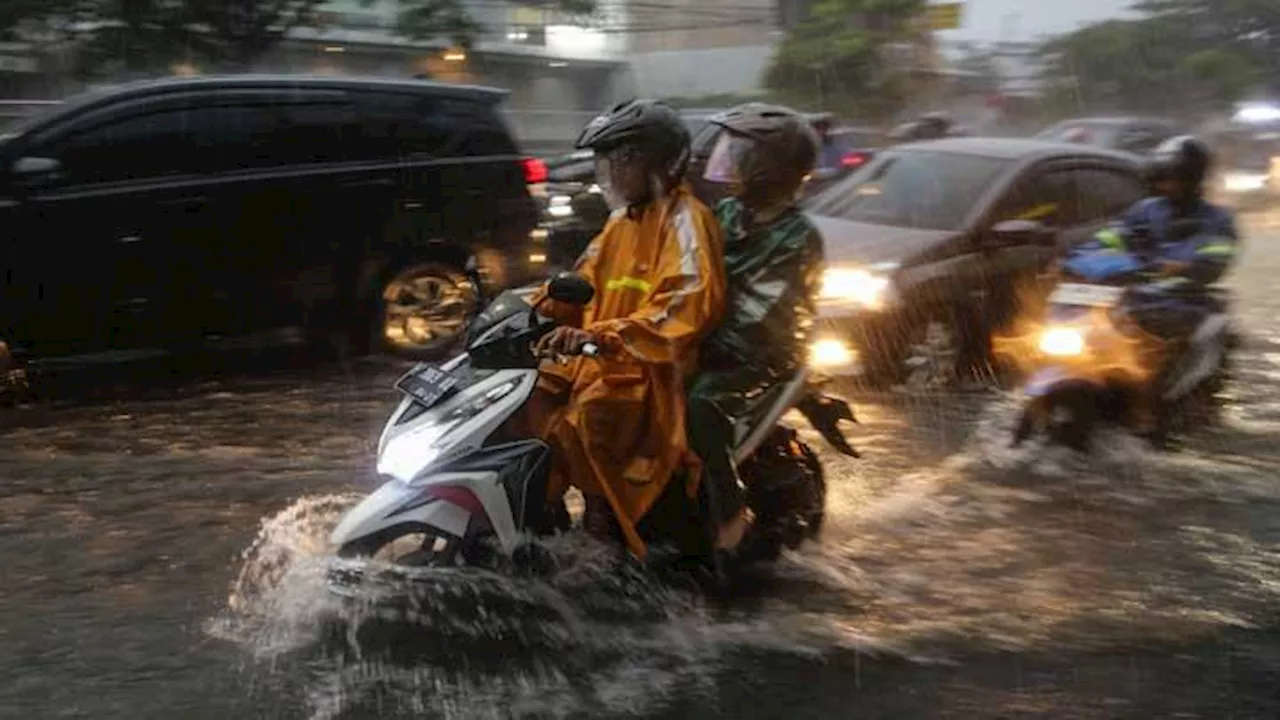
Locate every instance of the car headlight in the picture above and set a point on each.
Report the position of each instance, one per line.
(1243, 182)
(830, 354)
(407, 455)
(863, 287)
(1062, 341)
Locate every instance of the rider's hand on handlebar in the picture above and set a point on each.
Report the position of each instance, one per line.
(563, 341)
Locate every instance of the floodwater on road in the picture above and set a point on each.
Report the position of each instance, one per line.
(163, 557)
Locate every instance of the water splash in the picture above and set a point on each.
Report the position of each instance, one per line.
(596, 637)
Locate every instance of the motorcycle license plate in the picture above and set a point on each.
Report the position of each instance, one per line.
(1086, 295)
(426, 384)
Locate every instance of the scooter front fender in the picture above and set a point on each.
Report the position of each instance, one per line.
(1044, 391)
(1057, 379)
(445, 509)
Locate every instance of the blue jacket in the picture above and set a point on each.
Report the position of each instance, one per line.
(1150, 232)
(830, 156)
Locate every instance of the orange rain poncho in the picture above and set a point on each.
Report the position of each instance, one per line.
(619, 430)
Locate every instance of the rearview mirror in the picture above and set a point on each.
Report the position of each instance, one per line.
(35, 166)
(1024, 232)
(570, 288)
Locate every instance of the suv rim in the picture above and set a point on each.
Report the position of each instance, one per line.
(426, 309)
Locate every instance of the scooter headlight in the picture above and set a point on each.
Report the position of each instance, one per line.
(1062, 341)
(407, 455)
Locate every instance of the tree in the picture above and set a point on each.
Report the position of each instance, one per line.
(1249, 28)
(19, 16)
(153, 34)
(1155, 64)
(148, 35)
(837, 57)
(431, 19)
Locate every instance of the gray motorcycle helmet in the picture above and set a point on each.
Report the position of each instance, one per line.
(651, 125)
(785, 150)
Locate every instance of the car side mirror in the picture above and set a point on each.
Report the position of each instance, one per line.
(1024, 232)
(570, 288)
(34, 166)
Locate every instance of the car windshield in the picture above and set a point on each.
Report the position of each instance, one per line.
(848, 140)
(1088, 133)
(915, 189)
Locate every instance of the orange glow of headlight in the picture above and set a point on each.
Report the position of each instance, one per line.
(1101, 343)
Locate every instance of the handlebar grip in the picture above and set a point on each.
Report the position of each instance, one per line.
(590, 349)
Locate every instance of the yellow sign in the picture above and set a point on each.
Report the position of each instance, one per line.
(945, 16)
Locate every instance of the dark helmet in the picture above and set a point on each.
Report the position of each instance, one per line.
(823, 122)
(783, 149)
(651, 125)
(1184, 158)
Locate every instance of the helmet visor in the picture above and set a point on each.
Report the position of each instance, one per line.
(725, 163)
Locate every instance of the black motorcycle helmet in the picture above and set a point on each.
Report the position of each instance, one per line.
(1185, 160)
(778, 150)
(651, 127)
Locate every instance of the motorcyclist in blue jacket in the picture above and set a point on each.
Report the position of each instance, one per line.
(1185, 242)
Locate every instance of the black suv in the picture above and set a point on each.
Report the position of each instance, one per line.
(231, 212)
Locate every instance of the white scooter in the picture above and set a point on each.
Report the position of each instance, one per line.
(460, 490)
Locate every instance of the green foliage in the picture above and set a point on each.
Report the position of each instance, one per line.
(432, 19)
(17, 16)
(1162, 64)
(834, 59)
(153, 35)
(149, 35)
(1249, 28)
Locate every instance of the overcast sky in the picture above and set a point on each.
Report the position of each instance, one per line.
(986, 20)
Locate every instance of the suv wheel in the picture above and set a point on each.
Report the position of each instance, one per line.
(425, 309)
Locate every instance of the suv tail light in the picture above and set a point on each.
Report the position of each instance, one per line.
(854, 159)
(535, 171)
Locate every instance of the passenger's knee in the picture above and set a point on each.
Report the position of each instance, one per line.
(700, 410)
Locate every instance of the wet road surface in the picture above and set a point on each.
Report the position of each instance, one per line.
(162, 558)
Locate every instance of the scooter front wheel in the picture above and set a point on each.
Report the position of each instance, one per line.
(1072, 419)
(405, 546)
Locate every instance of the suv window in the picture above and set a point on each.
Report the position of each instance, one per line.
(236, 137)
(481, 129)
(1046, 196)
(1106, 193)
(396, 124)
(136, 147)
(315, 131)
